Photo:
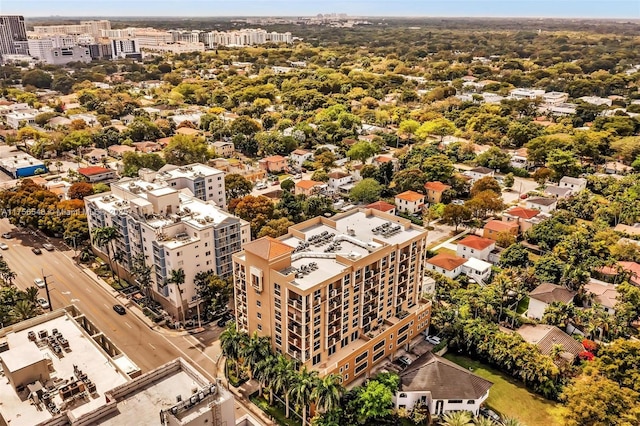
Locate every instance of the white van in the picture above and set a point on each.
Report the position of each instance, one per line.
(261, 185)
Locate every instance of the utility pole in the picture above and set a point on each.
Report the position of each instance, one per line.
(46, 287)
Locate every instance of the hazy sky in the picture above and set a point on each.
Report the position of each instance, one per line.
(629, 9)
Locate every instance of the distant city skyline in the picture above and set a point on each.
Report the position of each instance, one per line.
(612, 9)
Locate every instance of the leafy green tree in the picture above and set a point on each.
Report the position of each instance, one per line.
(183, 150)
(487, 183)
(591, 399)
(255, 210)
(562, 163)
(494, 158)
(236, 186)
(320, 176)
(509, 180)
(374, 401)
(438, 127)
(456, 215)
(37, 78)
(409, 179)
(514, 256)
(366, 191)
(275, 227)
(362, 150)
(618, 362)
(134, 161)
(79, 190)
(287, 185)
(438, 168)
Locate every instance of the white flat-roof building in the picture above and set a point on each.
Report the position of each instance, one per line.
(159, 217)
(52, 366)
(176, 391)
(205, 183)
(16, 119)
(526, 93)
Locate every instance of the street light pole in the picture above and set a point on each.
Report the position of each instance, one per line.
(46, 287)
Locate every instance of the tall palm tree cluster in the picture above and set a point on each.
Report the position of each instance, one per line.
(280, 376)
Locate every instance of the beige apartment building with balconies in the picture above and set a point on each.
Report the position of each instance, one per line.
(339, 294)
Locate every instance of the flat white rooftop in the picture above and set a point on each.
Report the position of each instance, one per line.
(17, 409)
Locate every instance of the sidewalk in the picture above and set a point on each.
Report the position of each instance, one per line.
(450, 240)
(132, 307)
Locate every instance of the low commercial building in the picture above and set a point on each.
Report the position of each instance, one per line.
(22, 165)
(57, 366)
(17, 119)
(339, 294)
(440, 385)
(97, 174)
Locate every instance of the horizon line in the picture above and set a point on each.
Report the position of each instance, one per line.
(589, 18)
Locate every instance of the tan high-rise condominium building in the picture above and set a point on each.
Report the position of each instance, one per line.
(339, 294)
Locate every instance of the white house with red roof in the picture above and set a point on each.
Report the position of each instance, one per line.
(299, 156)
(473, 246)
(447, 264)
(410, 202)
(97, 174)
(383, 206)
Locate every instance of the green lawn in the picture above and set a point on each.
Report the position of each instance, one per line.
(523, 305)
(510, 398)
(275, 412)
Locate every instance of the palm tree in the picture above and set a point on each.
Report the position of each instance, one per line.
(30, 294)
(59, 165)
(23, 309)
(510, 421)
(263, 372)
(327, 393)
(483, 421)
(118, 258)
(457, 418)
(303, 386)
(178, 278)
(231, 344)
(103, 237)
(256, 349)
(284, 379)
(142, 274)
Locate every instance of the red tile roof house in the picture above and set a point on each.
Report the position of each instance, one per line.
(97, 174)
(434, 191)
(495, 227)
(631, 268)
(275, 163)
(308, 187)
(118, 151)
(447, 264)
(521, 216)
(474, 246)
(147, 147)
(410, 202)
(383, 206)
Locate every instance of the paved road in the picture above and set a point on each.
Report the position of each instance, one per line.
(68, 284)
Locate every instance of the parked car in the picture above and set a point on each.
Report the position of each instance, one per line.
(3, 246)
(434, 340)
(297, 176)
(119, 309)
(48, 247)
(275, 182)
(490, 414)
(404, 361)
(261, 185)
(7, 235)
(43, 303)
(36, 250)
(39, 282)
(225, 319)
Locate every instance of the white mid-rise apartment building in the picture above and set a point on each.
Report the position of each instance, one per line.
(157, 216)
(244, 37)
(84, 27)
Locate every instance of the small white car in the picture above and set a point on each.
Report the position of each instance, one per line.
(261, 185)
(3, 246)
(43, 303)
(39, 282)
(434, 340)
